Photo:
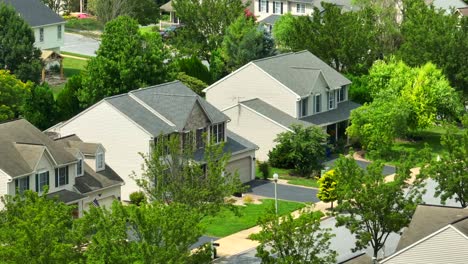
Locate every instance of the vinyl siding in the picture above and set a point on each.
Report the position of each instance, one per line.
(293, 9)
(121, 138)
(249, 83)
(4, 185)
(104, 197)
(46, 164)
(51, 42)
(244, 164)
(448, 246)
(254, 128)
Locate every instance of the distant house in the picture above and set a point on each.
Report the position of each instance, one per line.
(131, 123)
(48, 27)
(265, 97)
(74, 171)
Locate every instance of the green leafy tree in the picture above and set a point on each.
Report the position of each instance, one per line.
(370, 207)
(205, 23)
(192, 66)
(54, 5)
(193, 83)
(107, 10)
(17, 51)
(327, 188)
(302, 148)
(126, 60)
(149, 233)
(67, 102)
(144, 11)
(244, 42)
(450, 170)
(40, 108)
(13, 94)
(289, 240)
(172, 175)
(36, 229)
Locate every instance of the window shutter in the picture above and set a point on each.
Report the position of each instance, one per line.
(268, 3)
(16, 185)
(66, 175)
(274, 6)
(56, 177)
(47, 179)
(37, 182)
(281, 7)
(260, 5)
(27, 183)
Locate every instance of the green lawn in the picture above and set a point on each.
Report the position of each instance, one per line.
(227, 223)
(76, 54)
(72, 66)
(285, 174)
(149, 29)
(89, 24)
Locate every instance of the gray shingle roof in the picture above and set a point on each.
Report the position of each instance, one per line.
(235, 144)
(346, 5)
(299, 71)
(66, 196)
(22, 144)
(271, 19)
(358, 259)
(273, 113)
(339, 114)
(34, 12)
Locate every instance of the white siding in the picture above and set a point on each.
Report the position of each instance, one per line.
(51, 40)
(4, 184)
(121, 138)
(293, 9)
(249, 83)
(448, 246)
(46, 164)
(254, 128)
(104, 197)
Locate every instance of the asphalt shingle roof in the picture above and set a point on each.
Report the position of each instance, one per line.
(271, 19)
(66, 196)
(299, 71)
(235, 144)
(34, 12)
(273, 113)
(339, 114)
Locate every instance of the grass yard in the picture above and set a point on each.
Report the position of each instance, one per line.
(149, 29)
(88, 24)
(285, 174)
(227, 223)
(72, 66)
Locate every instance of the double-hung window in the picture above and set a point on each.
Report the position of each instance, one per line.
(187, 140)
(42, 179)
(331, 99)
(61, 176)
(263, 6)
(59, 32)
(100, 161)
(318, 103)
(300, 8)
(217, 132)
(277, 7)
(342, 94)
(22, 184)
(304, 106)
(41, 34)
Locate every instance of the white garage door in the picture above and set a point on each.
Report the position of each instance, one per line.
(242, 166)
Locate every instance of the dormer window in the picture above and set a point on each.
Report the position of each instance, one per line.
(217, 132)
(100, 165)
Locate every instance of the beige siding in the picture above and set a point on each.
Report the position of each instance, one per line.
(46, 164)
(293, 9)
(254, 128)
(121, 138)
(244, 164)
(105, 197)
(249, 83)
(448, 246)
(4, 185)
(51, 40)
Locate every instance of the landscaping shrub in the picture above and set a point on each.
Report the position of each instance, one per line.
(265, 169)
(137, 198)
(194, 67)
(248, 199)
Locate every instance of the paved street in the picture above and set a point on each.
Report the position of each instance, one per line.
(285, 192)
(387, 170)
(79, 44)
(202, 240)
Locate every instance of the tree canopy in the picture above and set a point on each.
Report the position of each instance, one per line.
(327, 188)
(40, 108)
(13, 94)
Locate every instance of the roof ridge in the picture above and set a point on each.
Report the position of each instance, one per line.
(458, 220)
(155, 86)
(64, 137)
(273, 57)
(11, 120)
(442, 206)
(26, 143)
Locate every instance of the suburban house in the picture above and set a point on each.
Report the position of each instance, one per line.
(130, 124)
(265, 97)
(30, 160)
(48, 27)
(436, 234)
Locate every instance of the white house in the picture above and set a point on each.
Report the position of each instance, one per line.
(129, 125)
(266, 96)
(30, 160)
(48, 27)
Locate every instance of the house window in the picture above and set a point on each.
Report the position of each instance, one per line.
(187, 140)
(342, 94)
(331, 100)
(278, 7)
(300, 8)
(263, 6)
(59, 32)
(304, 105)
(318, 103)
(79, 167)
(61, 176)
(41, 34)
(217, 132)
(200, 139)
(100, 161)
(22, 184)
(42, 179)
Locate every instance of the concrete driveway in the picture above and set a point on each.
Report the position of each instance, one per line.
(80, 44)
(285, 192)
(387, 170)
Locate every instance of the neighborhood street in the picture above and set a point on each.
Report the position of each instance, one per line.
(285, 192)
(79, 44)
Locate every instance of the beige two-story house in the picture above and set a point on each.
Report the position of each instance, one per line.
(130, 124)
(73, 171)
(265, 97)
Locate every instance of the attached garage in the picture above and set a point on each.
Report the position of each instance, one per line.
(243, 167)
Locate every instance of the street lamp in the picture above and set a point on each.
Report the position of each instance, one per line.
(275, 178)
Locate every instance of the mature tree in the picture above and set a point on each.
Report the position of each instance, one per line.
(205, 23)
(13, 94)
(40, 108)
(107, 10)
(125, 60)
(193, 66)
(149, 233)
(450, 169)
(370, 207)
(327, 188)
(191, 82)
(54, 5)
(244, 42)
(289, 240)
(144, 11)
(17, 51)
(302, 148)
(171, 174)
(67, 101)
(344, 40)
(36, 229)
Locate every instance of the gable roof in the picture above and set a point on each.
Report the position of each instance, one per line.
(234, 145)
(341, 113)
(272, 113)
(300, 70)
(22, 144)
(163, 108)
(34, 12)
(73, 142)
